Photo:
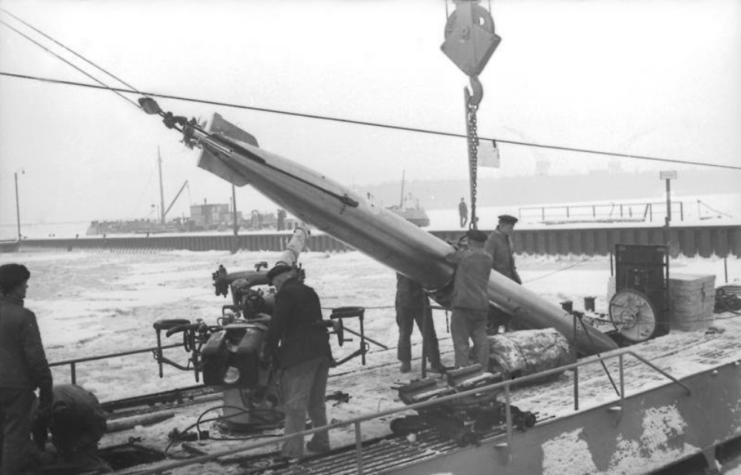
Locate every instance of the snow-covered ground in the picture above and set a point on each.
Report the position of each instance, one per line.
(99, 303)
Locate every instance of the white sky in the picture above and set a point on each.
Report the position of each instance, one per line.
(658, 78)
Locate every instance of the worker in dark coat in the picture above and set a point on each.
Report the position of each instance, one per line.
(500, 248)
(412, 305)
(470, 302)
(463, 212)
(77, 423)
(23, 368)
(304, 358)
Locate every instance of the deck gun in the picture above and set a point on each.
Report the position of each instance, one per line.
(227, 354)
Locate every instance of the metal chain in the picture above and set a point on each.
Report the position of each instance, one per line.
(473, 150)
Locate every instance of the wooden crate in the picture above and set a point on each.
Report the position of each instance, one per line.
(691, 301)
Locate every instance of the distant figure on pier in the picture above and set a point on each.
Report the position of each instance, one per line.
(463, 212)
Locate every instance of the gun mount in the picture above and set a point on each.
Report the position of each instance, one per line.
(228, 354)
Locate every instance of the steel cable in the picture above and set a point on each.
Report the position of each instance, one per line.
(105, 86)
(366, 123)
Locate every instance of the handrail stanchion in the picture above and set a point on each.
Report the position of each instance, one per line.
(576, 388)
(509, 416)
(622, 380)
(73, 372)
(159, 352)
(358, 448)
(362, 335)
(660, 371)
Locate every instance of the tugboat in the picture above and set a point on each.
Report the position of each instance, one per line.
(414, 214)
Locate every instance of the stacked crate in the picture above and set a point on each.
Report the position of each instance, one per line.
(691, 301)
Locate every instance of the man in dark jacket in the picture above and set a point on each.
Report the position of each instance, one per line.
(304, 358)
(470, 303)
(23, 368)
(77, 423)
(411, 307)
(500, 248)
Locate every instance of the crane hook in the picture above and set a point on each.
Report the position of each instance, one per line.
(476, 92)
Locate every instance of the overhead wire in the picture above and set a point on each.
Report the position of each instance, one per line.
(104, 85)
(68, 49)
(134, 90)
(371, 124)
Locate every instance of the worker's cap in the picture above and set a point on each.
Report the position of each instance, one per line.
(476, 235)
(279, 268)
(507, 219)
(13, 275)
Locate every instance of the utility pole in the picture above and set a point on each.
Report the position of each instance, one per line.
(17, 203)
(234, 219)
(671, 245)
(162, 191)
(668, 176)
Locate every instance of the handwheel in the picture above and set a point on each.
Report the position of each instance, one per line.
(633, 315)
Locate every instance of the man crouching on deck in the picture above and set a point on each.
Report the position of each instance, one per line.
(304, 358)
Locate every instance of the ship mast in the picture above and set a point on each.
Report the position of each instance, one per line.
(162, 191)
(401, 200)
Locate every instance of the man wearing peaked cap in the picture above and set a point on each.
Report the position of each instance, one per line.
(507, 219)
(476, 235)
(500, 248)
(298, 339)
(470, 302)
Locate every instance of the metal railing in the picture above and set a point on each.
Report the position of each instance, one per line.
(74, 362)
(505, 385)
(594, 212)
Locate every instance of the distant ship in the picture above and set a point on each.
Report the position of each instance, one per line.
(203, 217)
(414, 214)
